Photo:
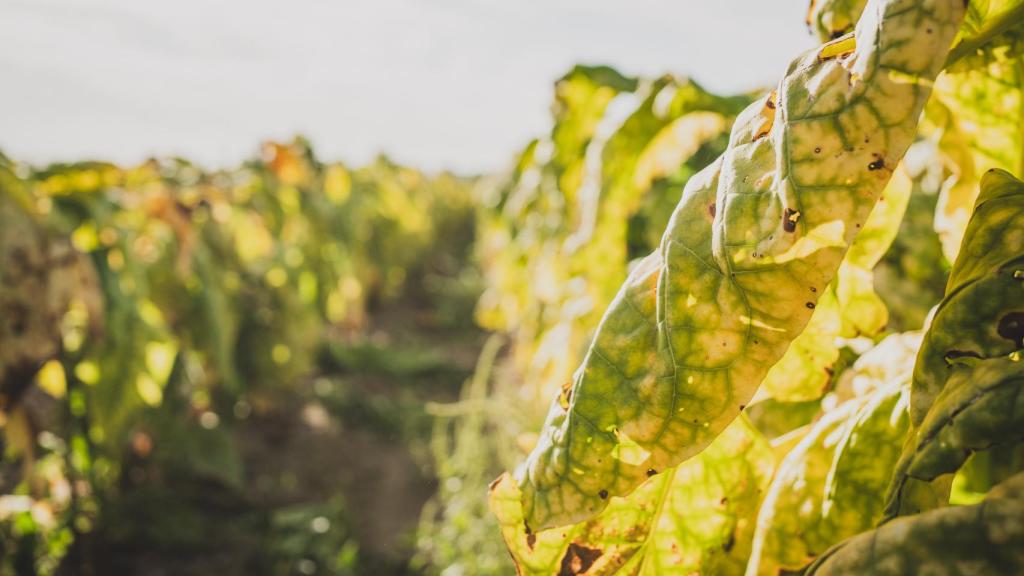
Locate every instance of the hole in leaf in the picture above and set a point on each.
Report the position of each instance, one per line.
(578, 559)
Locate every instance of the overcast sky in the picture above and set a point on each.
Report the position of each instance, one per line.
(457, 84)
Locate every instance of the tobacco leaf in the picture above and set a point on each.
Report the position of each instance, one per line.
(695, 518)
(970, 371)
(830, 485)
(987, 538)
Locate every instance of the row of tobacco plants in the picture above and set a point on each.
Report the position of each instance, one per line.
(164, 330)
(759, 333)
(771, 333)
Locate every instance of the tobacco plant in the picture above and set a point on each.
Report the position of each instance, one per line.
(741, 406)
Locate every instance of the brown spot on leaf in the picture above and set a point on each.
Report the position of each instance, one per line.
(817, 149)
(578, 559)
(711, 209)
(1011, 327)
(531, 540)
(789, 219)
(730, 542)
(767, 116)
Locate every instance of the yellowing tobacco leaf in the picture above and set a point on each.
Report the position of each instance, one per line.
(755, 240)
(829, 486)
(695, 518)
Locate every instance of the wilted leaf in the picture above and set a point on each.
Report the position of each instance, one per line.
(755, 240)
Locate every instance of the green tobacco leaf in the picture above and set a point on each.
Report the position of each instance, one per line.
(985, 469)
(695, 518)
(793, 502)
(829, 487)
(830, 19)
(988, 25)
(970, 370)
(863, 462)
(987, 538)
(774, 418)
(978, 409)
(755, 240)
(669, 121)
(581, 98)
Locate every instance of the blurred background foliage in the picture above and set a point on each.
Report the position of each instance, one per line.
(225, 371)
(299, 367)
